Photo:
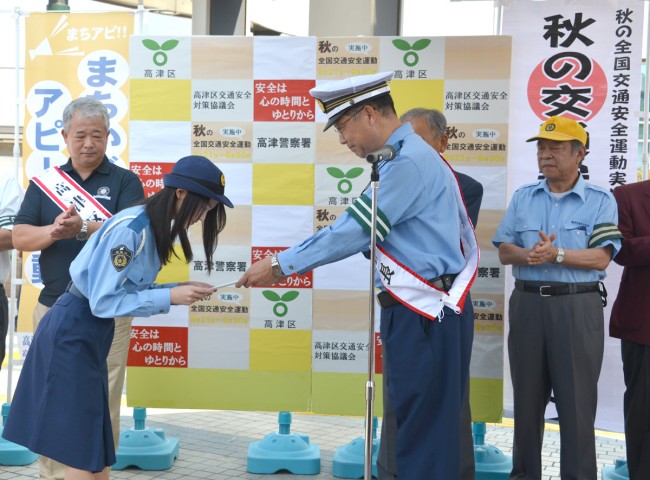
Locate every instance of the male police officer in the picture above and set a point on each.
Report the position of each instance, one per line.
(431, 125)
(423, 271)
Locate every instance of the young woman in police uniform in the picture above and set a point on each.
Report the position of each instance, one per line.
(60, 408)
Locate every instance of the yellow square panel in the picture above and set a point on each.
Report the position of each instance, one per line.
(283, 184)
(163, 100)
(409, 94)
(177, 270)
(281, 350)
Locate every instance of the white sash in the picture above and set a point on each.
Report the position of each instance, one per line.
(417, 293)
(63, 191)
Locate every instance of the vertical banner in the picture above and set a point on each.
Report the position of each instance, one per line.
(245, 104)
(69, 56)
(580, 59)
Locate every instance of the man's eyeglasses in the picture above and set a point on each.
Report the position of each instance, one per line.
(339, 128)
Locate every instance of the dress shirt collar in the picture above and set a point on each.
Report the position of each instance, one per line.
(578, 188)
(103, 168)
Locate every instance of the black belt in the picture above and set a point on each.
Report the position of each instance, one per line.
(443, 282)
(553, 289)
(75, 291)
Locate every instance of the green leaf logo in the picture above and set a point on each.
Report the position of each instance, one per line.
(280, 308)
(354, 172)
(335, 172)
(171, 44)
(151, 44)
(287, 297)
(402, 44)
(421, 44)
(410, 57)
(271, 295)
(160, 57)
(344, 186)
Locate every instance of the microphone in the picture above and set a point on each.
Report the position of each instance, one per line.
(385, 153)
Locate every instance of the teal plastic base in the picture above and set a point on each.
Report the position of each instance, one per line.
(618, 472)
(12, 454)
(491, 462)
(284, 451)
(145, 448)
(349, 459)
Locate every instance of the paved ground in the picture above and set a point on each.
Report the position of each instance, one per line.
(214, 444)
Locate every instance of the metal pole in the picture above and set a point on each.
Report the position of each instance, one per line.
(498, 20)
(140, 13)
(370, 384)
(16, 152)
(57, 6)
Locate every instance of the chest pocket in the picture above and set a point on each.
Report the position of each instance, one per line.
(576, 235)
(527, 232)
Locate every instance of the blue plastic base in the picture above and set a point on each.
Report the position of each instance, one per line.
(491, 463)
(277, 451)
(12, 454)
(146, 449)
(349, 460)
(618, 472)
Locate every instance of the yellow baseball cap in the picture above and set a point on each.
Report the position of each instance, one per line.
(561, 129)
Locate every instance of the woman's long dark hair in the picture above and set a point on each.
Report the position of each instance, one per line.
(160, 209)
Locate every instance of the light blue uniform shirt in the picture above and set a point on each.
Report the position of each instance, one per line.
(572, 217)
(416, 196)
(117, 268)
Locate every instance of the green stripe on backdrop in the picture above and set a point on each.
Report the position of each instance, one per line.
(332, 393)
(344, 394)
(218, 389)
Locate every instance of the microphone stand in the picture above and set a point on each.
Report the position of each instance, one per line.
(370, 384)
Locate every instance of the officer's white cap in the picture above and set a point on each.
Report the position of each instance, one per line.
(335, 98)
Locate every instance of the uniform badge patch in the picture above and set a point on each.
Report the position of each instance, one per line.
(121, 256)
(103, 192)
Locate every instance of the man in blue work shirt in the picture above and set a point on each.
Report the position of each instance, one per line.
(559, 235)
(423, 270)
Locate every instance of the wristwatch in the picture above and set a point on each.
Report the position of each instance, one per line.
(559, 258)
(82, 234)
(276, 269)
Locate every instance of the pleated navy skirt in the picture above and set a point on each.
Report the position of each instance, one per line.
(60, 407)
